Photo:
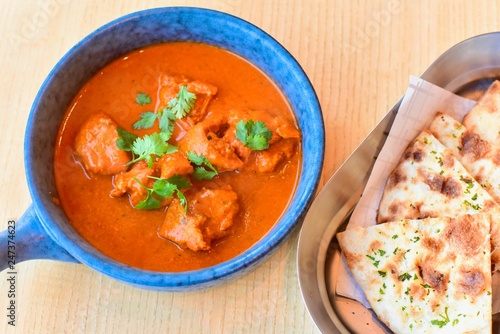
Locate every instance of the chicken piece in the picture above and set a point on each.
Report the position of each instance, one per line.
(208, 138)
(204, 93)
(126, 182)
(184, 229)
(220, 206)
(285, 128)
(215, 138)
(95, 144)
(174, 164)
(278, 125)
(284, 141)
(170, 86)
(209, 216)
(243, 152)
(268, 160)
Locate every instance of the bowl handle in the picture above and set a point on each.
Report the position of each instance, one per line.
(26, 239)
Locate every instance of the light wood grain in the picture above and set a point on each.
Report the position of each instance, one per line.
(358, 55)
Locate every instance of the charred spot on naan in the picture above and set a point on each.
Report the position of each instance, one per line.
(496, 158)
(447, 186)
(472, 281)
(448, 160)
(451, 188)
(474, 146)
(490, 205)
(352, 258)
(375, 245)
(436, 280)
(433, 244)
(461, 233)
(413, 155)
(398, 208)
(396, 177)
(434, 180)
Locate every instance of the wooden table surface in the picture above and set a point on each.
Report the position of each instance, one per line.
(358, 55)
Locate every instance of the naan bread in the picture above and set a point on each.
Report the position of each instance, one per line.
(484, 118)
(479, 157)
(430, 182)
(425, 276)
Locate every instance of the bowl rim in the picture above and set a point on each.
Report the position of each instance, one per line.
(204, 277)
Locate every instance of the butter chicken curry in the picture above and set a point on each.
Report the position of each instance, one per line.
(176, 157)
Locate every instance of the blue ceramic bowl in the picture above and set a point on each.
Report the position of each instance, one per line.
(44, 231)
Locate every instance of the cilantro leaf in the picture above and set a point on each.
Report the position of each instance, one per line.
(180, 181)
(150, 203)
(164, 189)
(197, 159)
(182, 199)
(165, 117)
(167, 122)
(125, 140)
(149, 146)
(182, 104)
(171, 148)
(201, 172)
(444, 322)
(161, 190)
(254, 135)
(147, 120)
(142, 99)
(241, 132)
(404, 277)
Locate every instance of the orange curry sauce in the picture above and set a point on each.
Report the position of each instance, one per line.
(129, 235)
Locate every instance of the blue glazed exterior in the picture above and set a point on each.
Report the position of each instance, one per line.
(135, 31)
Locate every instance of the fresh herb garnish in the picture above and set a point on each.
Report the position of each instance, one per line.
(445, 317)
(167, 122)
(201, 172)
(156, 144)
(147, 120)
(126, 140)
(149, 146)
(142, 99)
(161, 190)
(182, 103)
(177, 108)
(254, 135)
(473, 206)
(404, 277)
(375, 262)
(470, 183)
